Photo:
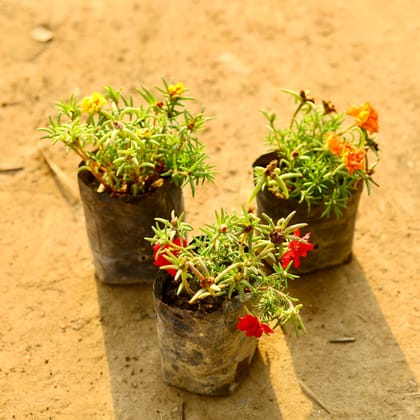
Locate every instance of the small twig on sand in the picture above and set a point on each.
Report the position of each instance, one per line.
(63, 183)
(183, 410)
(11, 169)
(311, 395)
(412, 394)
(343, 340)
(9, 103)
(363, 319)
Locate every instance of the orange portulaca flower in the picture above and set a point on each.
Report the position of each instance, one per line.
(366, 117)
(335, 143)
(354, 159)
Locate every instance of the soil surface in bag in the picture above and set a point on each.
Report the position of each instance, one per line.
(201, 350)
(331, 236)
(117, 226)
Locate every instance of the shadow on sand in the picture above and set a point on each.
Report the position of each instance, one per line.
(371, 370)
(128, 323)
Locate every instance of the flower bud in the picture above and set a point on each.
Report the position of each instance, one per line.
(206, 282)
(270, 167)
(277, 237)
(306, 97)
(328, 107)
(117, 125)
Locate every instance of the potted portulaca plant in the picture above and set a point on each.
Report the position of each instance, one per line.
(317, 167)
(135, 160)
(217, 295)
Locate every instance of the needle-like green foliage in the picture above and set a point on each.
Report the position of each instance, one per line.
(239, 254)
(319, 159)
(131, 149)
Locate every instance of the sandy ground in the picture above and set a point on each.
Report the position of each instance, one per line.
(74, 349)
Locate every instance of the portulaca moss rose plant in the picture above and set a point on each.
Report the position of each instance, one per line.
(322, 155)
(136, 157)
(227, 259)
(131, 148)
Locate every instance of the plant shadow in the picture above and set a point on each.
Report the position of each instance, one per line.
(349, 361)
(138, 392)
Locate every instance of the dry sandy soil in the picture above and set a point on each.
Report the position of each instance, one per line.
(74, 349)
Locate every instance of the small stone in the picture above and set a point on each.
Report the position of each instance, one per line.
(42, 34)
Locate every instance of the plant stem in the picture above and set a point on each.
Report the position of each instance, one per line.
(226, 270)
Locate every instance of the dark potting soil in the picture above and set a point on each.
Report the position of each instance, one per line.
(169, 296)
(93, 183)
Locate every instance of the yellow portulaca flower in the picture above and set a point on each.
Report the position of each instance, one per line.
(176, 90)
(92, 104)
(144, 133)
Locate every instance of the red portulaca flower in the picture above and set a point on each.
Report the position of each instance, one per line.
(252, 326)
(159, 254)
(296, 250)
